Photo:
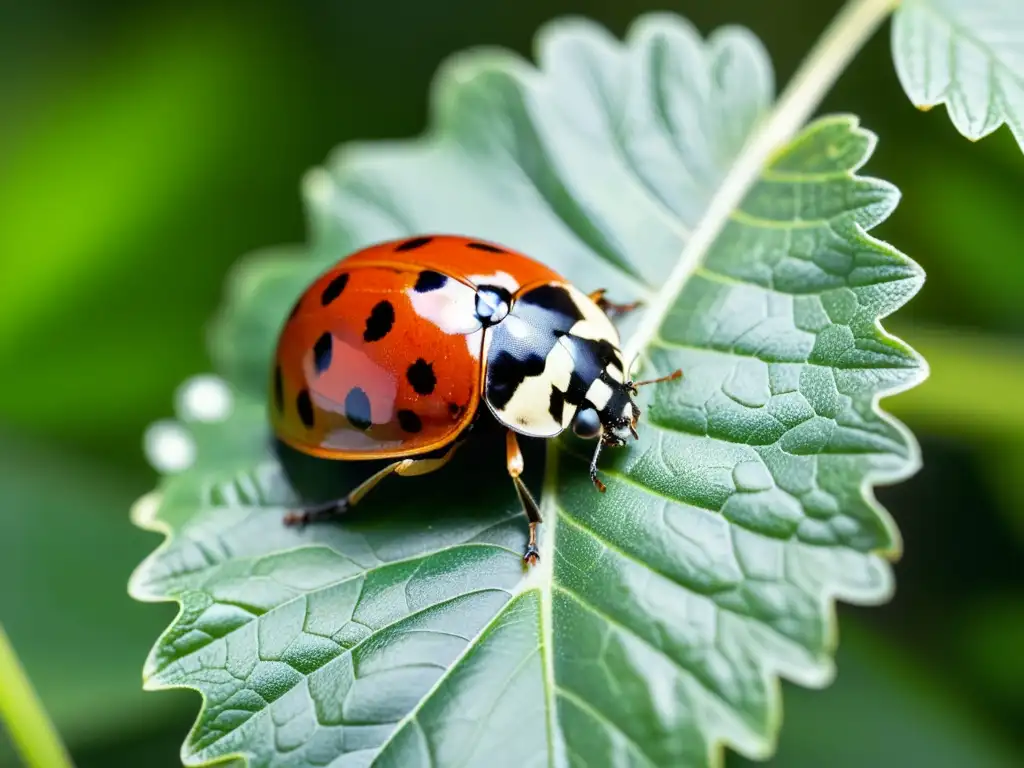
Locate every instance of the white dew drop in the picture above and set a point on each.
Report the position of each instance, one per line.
(169, 447)
(318, 186)
(143, 511)
(204, 398)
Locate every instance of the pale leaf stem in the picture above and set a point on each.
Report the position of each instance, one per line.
(32, 732)
(841, 41)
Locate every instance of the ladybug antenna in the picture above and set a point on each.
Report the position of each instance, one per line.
(634, 384)
(676, 374)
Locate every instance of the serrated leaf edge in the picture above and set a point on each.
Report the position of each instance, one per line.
(901, 25)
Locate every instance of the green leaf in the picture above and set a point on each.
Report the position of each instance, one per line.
(966, 55)
(663, 612)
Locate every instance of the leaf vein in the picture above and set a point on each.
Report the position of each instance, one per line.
(327, 585)
(628, 630)
(605, 721)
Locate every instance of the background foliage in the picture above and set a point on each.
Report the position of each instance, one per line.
(142, 150)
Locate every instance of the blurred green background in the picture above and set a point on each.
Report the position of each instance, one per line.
(145, 147)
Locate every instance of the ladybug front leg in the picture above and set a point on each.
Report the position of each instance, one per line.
(610, 308)
(334, 509)
(593, 468)
(514, 462)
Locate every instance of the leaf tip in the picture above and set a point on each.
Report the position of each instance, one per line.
(560, 30)
(654, 23)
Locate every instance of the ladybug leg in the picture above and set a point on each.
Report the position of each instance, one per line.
(610, 308)
(334, 509)
(514, 462)
(314, 513)
(593, 468)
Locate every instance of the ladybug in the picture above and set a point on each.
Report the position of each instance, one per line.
(389, 354)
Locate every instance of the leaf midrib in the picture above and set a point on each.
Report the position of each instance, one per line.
(610, 724)
(411, 716)
(588, 606)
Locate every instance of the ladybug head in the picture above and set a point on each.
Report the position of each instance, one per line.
(615, 422)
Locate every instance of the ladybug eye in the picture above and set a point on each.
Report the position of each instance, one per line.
(586, 423)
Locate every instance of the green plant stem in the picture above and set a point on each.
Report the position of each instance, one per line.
(31, 730)
(840, 42)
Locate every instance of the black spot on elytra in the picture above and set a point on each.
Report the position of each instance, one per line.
(278, 389)
(557, 405)
(357, 408)
(412, 245)
(454, 410)
(334, 289)
(380, 321)
(421, 376)
(429, 280)
(305, 408)
(409, 421)
(485, 247)
(322, 352)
